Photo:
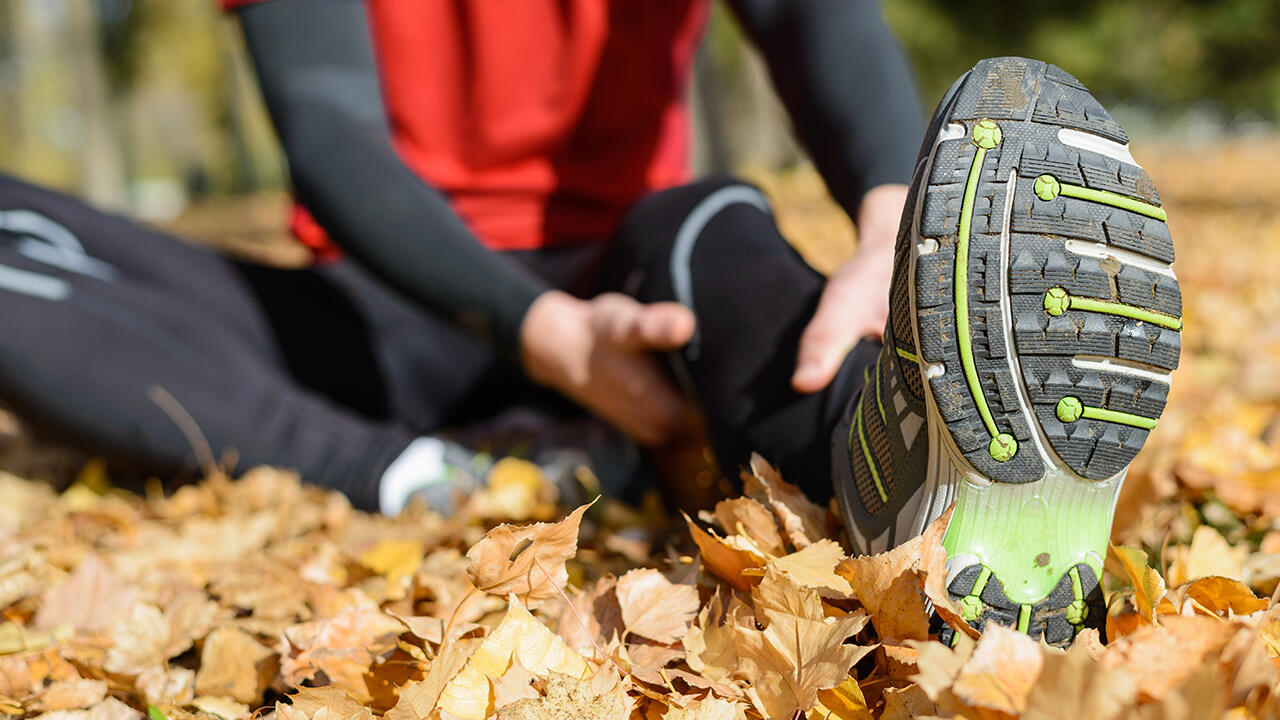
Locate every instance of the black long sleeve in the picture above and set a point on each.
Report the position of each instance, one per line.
(320, 81)
(846, 85)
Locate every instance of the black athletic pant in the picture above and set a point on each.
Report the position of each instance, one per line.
(327, 371)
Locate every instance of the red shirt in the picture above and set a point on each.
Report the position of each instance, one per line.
(542, 121)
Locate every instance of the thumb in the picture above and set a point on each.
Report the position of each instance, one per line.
(666, 325)
(823, 346)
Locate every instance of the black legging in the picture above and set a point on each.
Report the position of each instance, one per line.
(328, 371)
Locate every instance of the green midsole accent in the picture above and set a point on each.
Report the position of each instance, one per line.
(962, 292)
(1024, 618)
(866, 453)
(1116, 416)
(1124, 202)
(1077, 590)
(907, 355)
(1123, 310)
(1031, 534)
(879, 402)
(981, 583)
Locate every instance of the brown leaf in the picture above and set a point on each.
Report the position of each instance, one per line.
(797, 654)
(1074, 685)
(234, 665)
(514, 685)
(596, 607)
(71, 695)
(139, 640)
(894, 585)
(1161, 658)
(725, 561)
(654, 607)
(342, 647)
(528, 560)
(802, 520)
(91, 598)
(745, 516)
(1000, 673)
(312, 701)
(906, 703)
(711, 644)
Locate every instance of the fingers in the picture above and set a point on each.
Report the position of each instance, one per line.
(632, 325)
(666, 325)
(825, 342)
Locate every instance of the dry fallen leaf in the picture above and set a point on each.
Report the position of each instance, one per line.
(1000, 673)
(528, 560)
(234, 665)
(570, 697)
(799, 652)
(745, 516)
(91, 598)
(518, 638)
(654, 607)
(1148, 586)
(802, 520)
(814, 567)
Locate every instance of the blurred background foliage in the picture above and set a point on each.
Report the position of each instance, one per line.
(144, 105)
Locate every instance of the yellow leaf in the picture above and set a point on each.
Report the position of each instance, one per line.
(710, 708)
(1220, 594)
(519, 637)
(16, 639)
(842, 702)
(1148, 586)
(514, 487)
(570, 697)
(396, 560)
(1209, 554)
(814, 568)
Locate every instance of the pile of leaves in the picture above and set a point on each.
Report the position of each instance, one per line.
(264, 596)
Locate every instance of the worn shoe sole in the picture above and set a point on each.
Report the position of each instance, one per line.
(1048, 320)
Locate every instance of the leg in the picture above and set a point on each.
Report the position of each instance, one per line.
(85, 340)
(714, 246)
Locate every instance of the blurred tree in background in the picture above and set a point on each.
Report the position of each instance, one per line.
(1153, 54)
(141, 104)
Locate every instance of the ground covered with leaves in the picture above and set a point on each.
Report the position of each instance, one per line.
(263, 596)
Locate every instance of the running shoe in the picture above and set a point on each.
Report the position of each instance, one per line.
(1035, 322)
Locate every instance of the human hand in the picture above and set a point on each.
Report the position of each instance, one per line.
(598, 352)
(855, 303)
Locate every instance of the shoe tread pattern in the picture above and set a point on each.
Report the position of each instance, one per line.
(1039, 100)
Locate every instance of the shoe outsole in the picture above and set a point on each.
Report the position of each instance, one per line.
(1048, 323)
